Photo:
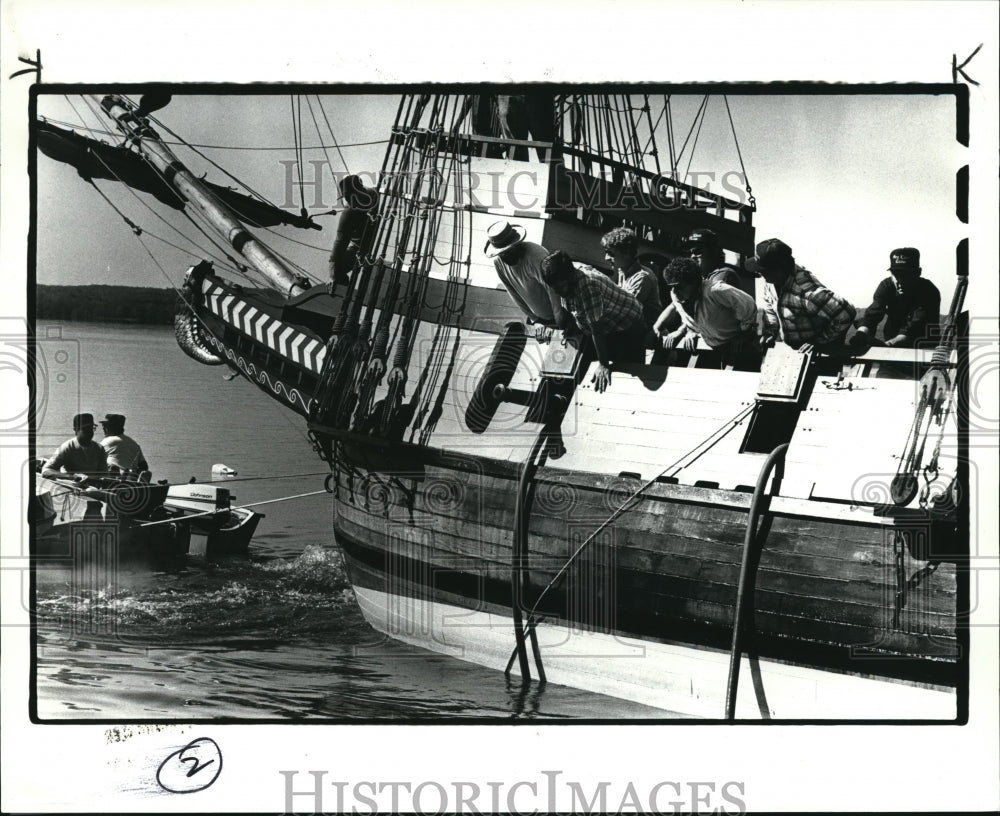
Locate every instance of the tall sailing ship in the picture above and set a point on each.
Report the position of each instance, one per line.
(784, 543)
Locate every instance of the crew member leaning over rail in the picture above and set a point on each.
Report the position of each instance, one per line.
(518, 264)
(722, 316)
(608, 314)
(798, 309)
(910, 304)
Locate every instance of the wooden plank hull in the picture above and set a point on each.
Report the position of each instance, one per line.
(666, 574)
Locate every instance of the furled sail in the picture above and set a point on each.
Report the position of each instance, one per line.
(97, 160)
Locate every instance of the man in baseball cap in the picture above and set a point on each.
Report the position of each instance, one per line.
(910, 304)
(123, 451)
(705, 249)
(80, 457)
(798, 309)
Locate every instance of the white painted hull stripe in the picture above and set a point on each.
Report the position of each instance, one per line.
(275, 334)
(683, 680)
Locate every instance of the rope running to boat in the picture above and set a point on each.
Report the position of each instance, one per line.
(746, 179)
(229, 509)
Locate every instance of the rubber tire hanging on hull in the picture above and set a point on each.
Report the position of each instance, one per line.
(496, 376)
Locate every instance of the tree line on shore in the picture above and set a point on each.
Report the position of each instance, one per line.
(106, 304)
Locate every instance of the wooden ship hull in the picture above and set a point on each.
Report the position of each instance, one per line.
(659, 541)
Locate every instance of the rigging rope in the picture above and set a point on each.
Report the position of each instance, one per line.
(694, 123)
(694, 144)
(669, 120)
(746, 179)
(343, 161)
(299, 158)
(180, 143)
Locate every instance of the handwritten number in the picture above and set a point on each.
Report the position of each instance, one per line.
(175, 771)
(195, 766)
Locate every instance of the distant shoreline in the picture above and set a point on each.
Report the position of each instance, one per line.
(99, 303)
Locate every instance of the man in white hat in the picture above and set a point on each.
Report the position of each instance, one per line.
(519, 266)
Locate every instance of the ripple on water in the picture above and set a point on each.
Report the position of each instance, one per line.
(228, 596)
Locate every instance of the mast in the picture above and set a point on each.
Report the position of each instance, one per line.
(222, 219)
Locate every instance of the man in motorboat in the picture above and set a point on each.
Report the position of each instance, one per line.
(79, 458)
(123, 451)
(910, 304)
(621, 249)
(798, 309)
(518, 264)
(608, 314)
(722, 316)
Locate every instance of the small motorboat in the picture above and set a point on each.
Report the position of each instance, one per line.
(135, 520)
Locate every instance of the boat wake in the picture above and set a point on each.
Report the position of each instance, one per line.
(230, 598)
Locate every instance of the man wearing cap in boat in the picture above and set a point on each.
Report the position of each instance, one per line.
(78, 458)
(724, 317)
(610, 315)
(519, 266)
(354, 231)
(798, 309)
(123, 451)
(910, 304)
(621, 248)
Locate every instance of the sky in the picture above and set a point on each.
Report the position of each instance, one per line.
(842, 178)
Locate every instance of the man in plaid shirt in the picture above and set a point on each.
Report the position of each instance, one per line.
(798, 309)
(610, 315)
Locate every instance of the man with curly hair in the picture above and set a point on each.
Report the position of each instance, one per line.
(722, 317)
(621, 248)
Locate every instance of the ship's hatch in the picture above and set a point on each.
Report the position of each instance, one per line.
(781, 393)
(772, 424)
